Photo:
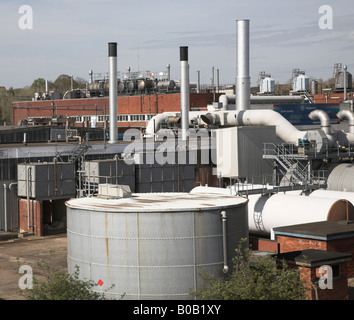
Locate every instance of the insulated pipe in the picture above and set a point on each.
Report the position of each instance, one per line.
(284, 129)
(263, 117)
(154, 123)
(113, 127)
(323, 117)
(347, 114)
(224, 240)
(227, 99)
(345, 82)
(242, 66)
(5, 207)
(325, 124)
(198, 81)
(210, 118)
(184, 91)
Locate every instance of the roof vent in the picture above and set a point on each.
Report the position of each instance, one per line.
(113, 191)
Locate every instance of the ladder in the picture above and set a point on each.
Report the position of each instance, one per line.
(79, 151)
(300, 174)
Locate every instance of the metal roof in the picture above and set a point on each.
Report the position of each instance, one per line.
(155, 202)
(322, 230)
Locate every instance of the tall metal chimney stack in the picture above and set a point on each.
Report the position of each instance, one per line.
(243, 66)
(168, 72)
(113, 104)
(184, 91)
(345, 82)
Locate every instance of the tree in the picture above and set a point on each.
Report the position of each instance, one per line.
(6, 99)
(38, 85)
(254, 278)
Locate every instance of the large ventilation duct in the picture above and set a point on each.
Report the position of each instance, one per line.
(347, 114)
(284, 129)
(324, 119)
(325, 124)
(242, 66)
(184, 91)
(113, 103)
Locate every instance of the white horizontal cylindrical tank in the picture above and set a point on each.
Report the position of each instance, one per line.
(330, 194)
(341, 178)
(153, 246)
(278, 210)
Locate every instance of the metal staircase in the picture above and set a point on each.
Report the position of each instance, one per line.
(79, 151)
(288, 163)
(309, 97)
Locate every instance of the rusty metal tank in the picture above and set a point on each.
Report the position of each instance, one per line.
(153, 245)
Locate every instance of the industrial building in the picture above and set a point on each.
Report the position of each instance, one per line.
(201, 171)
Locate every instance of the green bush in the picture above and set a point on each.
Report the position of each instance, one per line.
(59, 285)
(254, 278)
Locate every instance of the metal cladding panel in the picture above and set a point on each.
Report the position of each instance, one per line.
(110, 171)
(151, 255)
(240, 152)
(47, 180)
(165, 178)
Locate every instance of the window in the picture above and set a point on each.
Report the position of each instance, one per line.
(123, 117)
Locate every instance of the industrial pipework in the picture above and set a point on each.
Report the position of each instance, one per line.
(230, 99)
(347, 114)
(242, 66)
(113, 102)
(184, 91)
(323, 117)
(264, 117)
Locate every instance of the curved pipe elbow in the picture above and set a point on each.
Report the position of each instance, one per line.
(347, 114)
(324, 119)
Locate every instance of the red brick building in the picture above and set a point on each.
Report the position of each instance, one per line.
(133, 111)
(310, 261)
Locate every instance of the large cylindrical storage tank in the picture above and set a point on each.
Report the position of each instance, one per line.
(341, 178)
(153, 245)
(270, 211)
(321, 193)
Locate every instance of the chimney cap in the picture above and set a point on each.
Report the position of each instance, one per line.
(112, 49)
(183, 53)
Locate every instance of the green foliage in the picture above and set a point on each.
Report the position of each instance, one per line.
(59, 285)
(254, 278)
(6, 106)
(38, 85)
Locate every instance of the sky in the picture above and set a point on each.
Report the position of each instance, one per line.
(71, 37)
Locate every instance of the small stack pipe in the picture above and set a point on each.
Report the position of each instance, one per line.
(184, 91)
(113, 103)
